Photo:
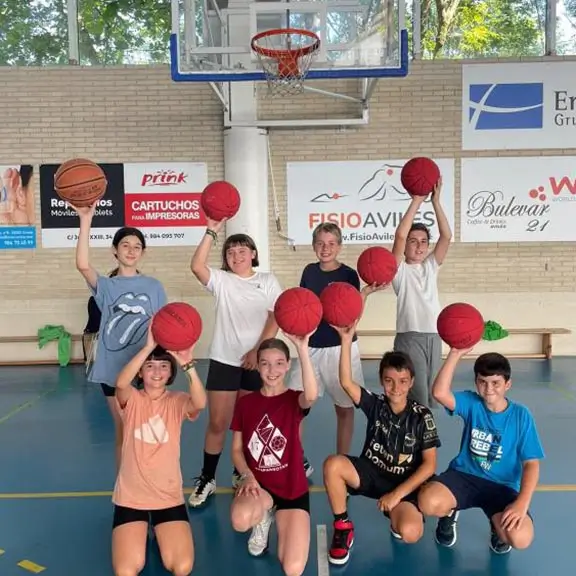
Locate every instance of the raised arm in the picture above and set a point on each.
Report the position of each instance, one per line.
(403, 229)
(443, 243)
(442, 387)
(309, 382)
(199, 263)
(83, 245)
(196, 392)
(128, 374)
(345, 367)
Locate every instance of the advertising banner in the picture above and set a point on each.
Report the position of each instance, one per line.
(365, 198)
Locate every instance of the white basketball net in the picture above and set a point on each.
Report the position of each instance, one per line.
(285, 57)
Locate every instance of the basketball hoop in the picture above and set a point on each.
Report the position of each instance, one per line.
(285, 55)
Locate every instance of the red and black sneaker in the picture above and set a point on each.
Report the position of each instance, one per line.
(342, 541)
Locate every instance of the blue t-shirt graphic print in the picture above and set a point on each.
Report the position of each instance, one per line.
(495, 445)
(127, 304)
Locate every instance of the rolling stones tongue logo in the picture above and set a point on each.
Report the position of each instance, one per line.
(128, 322)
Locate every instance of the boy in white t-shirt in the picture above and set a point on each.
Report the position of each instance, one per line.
(416, 286)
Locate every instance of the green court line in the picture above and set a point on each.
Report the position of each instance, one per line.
(26, 405)
(220, 491)
(562, 391)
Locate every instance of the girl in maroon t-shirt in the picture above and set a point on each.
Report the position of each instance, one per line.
(267, 451)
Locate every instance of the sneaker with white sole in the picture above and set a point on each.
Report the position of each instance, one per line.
(308, 468)
(447, 529)
(497, 545)
(203, 488)
(258, 541)
(236, 479)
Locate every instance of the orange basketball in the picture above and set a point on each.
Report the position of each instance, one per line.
(80, 182)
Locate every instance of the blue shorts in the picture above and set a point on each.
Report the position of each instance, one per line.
(474, 492)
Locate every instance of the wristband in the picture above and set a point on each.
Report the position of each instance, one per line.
(188, 365)
(212, 234)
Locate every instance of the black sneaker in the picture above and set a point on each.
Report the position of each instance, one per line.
(446, 529)
(497, 545)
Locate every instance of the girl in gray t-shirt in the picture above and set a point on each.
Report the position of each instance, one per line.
(127, 301)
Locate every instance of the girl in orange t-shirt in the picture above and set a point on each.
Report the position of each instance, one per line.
(149, 483)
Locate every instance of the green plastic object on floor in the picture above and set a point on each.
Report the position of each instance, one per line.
(493, 331)
(50, 333)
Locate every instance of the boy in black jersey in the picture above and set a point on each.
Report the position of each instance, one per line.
(398, 457)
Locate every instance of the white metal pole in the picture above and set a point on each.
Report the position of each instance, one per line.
(416, 29)
(73, 41)
(550, 28)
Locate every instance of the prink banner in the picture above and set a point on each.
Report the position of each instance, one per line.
(160, 198)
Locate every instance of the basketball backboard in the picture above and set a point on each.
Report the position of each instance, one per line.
(211, 39)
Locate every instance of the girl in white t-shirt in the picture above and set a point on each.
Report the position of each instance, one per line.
(244, 318)
(416, 286)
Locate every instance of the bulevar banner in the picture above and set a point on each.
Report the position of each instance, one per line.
(160, 198)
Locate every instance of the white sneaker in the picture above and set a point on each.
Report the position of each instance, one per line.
(203, 488)
(236, 480)
(258, 541)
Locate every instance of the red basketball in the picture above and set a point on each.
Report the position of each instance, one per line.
(377, 265)
(220, 200)
(176, 326)
(298, 311)
(341, 303)
(419, 176)
(80, 182)
(460, 325)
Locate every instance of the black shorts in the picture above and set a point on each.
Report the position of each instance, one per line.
(109, 391)
(226, 378)
(300, 503)
(475, 492)
(123, 515)
(373, 484)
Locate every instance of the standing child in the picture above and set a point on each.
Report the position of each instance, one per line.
(398, 457)
(325, 342)
(149, 484)
(416, 286)
(268, 453)
(127, 301)
(244, 318)
(498, 465)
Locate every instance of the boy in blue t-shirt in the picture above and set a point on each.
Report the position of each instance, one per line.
(498, 465)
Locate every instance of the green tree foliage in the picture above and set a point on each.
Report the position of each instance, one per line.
(35, 32)
(483, 28)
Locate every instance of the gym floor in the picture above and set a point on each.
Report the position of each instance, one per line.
(57, 473)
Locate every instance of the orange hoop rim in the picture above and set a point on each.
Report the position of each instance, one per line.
(284, 54)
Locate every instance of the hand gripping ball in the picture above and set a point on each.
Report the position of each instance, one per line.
(419, 176)
(298, 311)
(220, 200)
(460, 325)
(80, 182)
(177, 326)
(342, 304)
(377, 265)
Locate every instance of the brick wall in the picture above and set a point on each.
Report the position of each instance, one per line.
(138, 114)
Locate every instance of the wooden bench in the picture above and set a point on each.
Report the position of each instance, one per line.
(34, 340)
(545, 333)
